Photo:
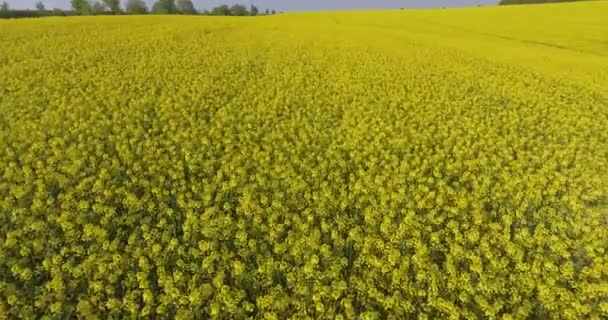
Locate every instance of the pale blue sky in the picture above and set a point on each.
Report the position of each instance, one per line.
(293, 5)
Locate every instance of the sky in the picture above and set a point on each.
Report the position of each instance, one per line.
(292, 5)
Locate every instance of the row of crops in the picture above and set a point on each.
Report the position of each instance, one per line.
(302, 166)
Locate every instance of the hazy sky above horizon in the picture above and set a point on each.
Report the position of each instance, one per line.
(291, 5)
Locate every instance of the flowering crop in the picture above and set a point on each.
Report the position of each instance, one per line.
(340, 165)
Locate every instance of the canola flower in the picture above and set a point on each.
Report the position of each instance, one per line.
(342, 165)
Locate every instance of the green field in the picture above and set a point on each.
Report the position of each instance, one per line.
(406, 164)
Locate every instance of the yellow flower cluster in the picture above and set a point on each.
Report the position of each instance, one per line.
(343, 165)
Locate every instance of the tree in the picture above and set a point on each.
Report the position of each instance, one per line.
(40, 6)
(266, 12)
(112, 5)
(4, 6)
(164, 7)
(273, 11)
(98, 8)
(238, 10)
(221, 10)
(81, 6)
(185, 7)
(253, 10)
(136, 7)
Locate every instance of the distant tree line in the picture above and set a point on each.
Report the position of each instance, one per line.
(113, 7)
(507, 2)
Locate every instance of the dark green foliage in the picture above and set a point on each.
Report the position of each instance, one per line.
(136, 7)
(185, 7)
(113, 6)
(253, 10)
(164, 7)
(221, 10)
(238, 10)
(15, 14)
(81, 6)
(98, 8)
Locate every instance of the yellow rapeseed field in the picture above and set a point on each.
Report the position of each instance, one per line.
(405, 164)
